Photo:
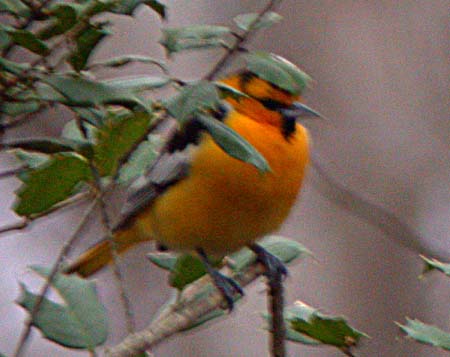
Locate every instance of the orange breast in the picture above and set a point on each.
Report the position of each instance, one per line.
(224, 203)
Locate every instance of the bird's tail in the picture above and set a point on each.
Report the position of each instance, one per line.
(100, 255)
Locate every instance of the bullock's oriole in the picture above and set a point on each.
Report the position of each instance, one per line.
(214, 204)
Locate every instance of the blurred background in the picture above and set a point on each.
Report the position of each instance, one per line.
(381, 71)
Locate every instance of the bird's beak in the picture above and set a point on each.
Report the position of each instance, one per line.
(300, 111)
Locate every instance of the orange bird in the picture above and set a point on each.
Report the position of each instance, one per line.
(203, 200)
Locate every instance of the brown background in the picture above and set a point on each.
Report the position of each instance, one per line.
(382, 77)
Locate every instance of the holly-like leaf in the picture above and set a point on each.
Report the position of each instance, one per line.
(187, 269)
(427, 334)
(140, 161)
(86, 42)
(232, 143)
(82, 92)
(43, 145)
(116, 137)
(14, 7)
(193, 37)
(28, 40)
(163, 260)
(283, 248)
(127, 7)
(64, 17)
(17, 108)
(31, 159)
(127, 59)
(13, 67)
(80, 322)
(278, 71)
(434, 264)
(52, 182)
(192, 99)
(329, 330)
(247, 21)
(228, 91)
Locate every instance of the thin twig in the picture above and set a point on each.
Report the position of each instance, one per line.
(110, 237)
(240, 41)
(126, 303)
(54, 271)
(196, 301)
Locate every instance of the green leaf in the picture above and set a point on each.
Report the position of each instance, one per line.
(27, 40)
(17, 108)
(86, 41)
(245, 21)
(228, 91)
(434, 264)
(50, 183)
(80, 322)
(127, 7)
(4, 39)
(31, 159)
(427, 334)
(93, 116)
(139, 84)
(127, 59)
(283, 248)
(187, 269)
(72, 132)
(232, 143)
(140, 161)
(193, 37)
(117, 136)
(192, 99)
(330, 330)
(14, 7)
(43, 145)
(163, 260)
(64, 17)
(278, 71)
(13, 67)
(83, 92)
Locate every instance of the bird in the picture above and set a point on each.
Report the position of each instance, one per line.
(199, 199)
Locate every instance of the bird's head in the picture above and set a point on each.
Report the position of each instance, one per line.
(272, 87)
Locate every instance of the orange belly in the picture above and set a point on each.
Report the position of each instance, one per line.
(224, 203)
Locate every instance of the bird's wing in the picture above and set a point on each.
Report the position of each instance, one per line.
(168, 170)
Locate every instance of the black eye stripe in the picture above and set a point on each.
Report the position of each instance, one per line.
(272, 104)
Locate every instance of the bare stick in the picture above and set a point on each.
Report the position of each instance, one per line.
(196, 300)
(116, 260)
(54, 271)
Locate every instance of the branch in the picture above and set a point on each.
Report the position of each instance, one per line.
(54, 271)
(126, 303)
(110, 237)
(240, 40)
(196, 301)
